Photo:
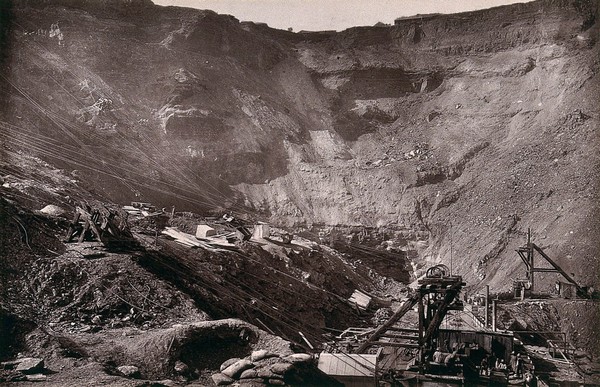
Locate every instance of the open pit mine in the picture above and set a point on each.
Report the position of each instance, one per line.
(191, 199)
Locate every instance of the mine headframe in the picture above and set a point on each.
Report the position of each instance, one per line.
(527, 254)
(437, 293)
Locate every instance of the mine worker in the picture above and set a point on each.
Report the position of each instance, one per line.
(530, 380)
(476, 353)
(500, 364)
(438, 356)
(450, 359)
(491, 362)
(483, 368)
(467, 349)
(447, 346)
(519, 366)
(513, 362)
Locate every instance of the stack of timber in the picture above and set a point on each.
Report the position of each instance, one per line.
(360, 299)
(189, 240)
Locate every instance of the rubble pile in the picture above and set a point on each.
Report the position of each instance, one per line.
(81, 295)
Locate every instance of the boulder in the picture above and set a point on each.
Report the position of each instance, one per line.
(180, 367)
(236, 369)
(276, 382)
(53, 210)
(229, 362)
(30, 365)
(129, 371)
(221, 380)
(165, 383)
(36, 378)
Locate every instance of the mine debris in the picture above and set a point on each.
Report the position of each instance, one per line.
(52, 210)
(361, 300)
(204, 231)
(261, 231)
(129, 371)
(208, 243)
(287, 238)
(242, 233)
(140, 209)
(99, 224)
(23, 369)
(421, 151)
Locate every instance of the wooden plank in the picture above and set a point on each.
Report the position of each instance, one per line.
(393, 344)
(86, 227)
(72, 227)
(400, 329)
(397, 336)
(558, 268)
(85, 215)
(523, 258)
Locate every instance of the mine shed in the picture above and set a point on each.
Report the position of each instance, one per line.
(354, 370)
(358, 370)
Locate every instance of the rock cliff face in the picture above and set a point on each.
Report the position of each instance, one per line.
(449, 134)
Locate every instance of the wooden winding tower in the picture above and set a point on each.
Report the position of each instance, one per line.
(438, 292)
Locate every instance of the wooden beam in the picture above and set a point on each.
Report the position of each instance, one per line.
(400, 329)
(544, 270)
(435, 322)
(88, 218)
(558, 268)
(408, 304)
(72, 227)
(393, 344)
(397, 336)
(86, 227)
(523, 258)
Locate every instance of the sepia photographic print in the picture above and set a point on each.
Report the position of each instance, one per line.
(299, 193)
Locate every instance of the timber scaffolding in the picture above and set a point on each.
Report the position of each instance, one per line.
(527, 255)
(437, 293)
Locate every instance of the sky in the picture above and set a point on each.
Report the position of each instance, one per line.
(320, 15)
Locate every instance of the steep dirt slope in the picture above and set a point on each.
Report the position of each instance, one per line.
(444, 133)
